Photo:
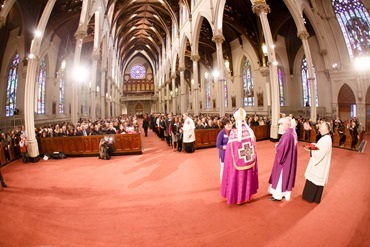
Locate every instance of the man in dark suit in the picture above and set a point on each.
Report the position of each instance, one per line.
(111, 130)
(146, 125)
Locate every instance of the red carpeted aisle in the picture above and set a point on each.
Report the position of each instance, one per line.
(166, 198)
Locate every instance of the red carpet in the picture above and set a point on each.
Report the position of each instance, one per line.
(166, 198)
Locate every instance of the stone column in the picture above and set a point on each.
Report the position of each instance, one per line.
(174, 97)
(219, 39)
(79, 35)
(159, 93)
(163, 92)
(168, 96)
(113, 101)
(95, 56)
(261, 9)
(29, 98)
(182, 91)
(304, 35)
(195, 86)
(29, 108)
(103, 71)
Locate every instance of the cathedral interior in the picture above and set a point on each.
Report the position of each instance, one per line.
(69, 59)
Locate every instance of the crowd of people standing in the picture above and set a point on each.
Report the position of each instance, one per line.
(235, 143)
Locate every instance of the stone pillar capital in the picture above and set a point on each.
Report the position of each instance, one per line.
(103, 69)
(260, 6)
(80, 34)
(95, 55)
(2, 21)
(323, 52)
(182, 69)
(303, 34)
(34, 59)
(218, 39)
(173, 76)
(195, 57)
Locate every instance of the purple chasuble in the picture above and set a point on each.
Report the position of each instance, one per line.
(240, 176)
(285, 161)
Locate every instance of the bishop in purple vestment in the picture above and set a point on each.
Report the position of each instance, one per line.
(240, 175)
(283, 173)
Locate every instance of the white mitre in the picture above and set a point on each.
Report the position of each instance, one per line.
(239, 116)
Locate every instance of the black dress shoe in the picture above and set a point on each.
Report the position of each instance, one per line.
(4, 185)
(273, 199)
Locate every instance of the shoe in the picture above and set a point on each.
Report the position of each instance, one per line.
(273, 199)
(4, 185)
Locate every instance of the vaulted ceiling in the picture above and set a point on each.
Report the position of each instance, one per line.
(145, 25)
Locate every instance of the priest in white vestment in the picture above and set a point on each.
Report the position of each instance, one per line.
(189, 135)
(317, 172)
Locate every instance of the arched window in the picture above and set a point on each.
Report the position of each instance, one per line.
(306, 84)
(248, 97)
(207, 83)
(281, 86)
(138, 72)
(61, 93)
(61, 87)
(11, 89)
(226, 93)
(354, 22)
(208, 95)
(41, 82)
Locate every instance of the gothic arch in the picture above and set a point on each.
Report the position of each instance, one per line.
(346, 99)
(183, 41)
(139, 108)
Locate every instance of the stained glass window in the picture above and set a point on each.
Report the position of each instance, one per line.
(208, 94)
(85, 107)
(248, 84)
(11, 89)
(61, 92)
(354, 22)
(306, 84)
(41, 82)
(281, 86)
(138, 72)
(226, 93)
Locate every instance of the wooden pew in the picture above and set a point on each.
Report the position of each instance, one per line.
(89, 145)
(2, 156)
(11, 151)
(262, 132)
(348, 142)
(336, 138)
(360, 139)
(205, 138)
(302, 135)
(313, 134)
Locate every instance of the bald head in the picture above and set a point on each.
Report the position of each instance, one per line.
(286, 122)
